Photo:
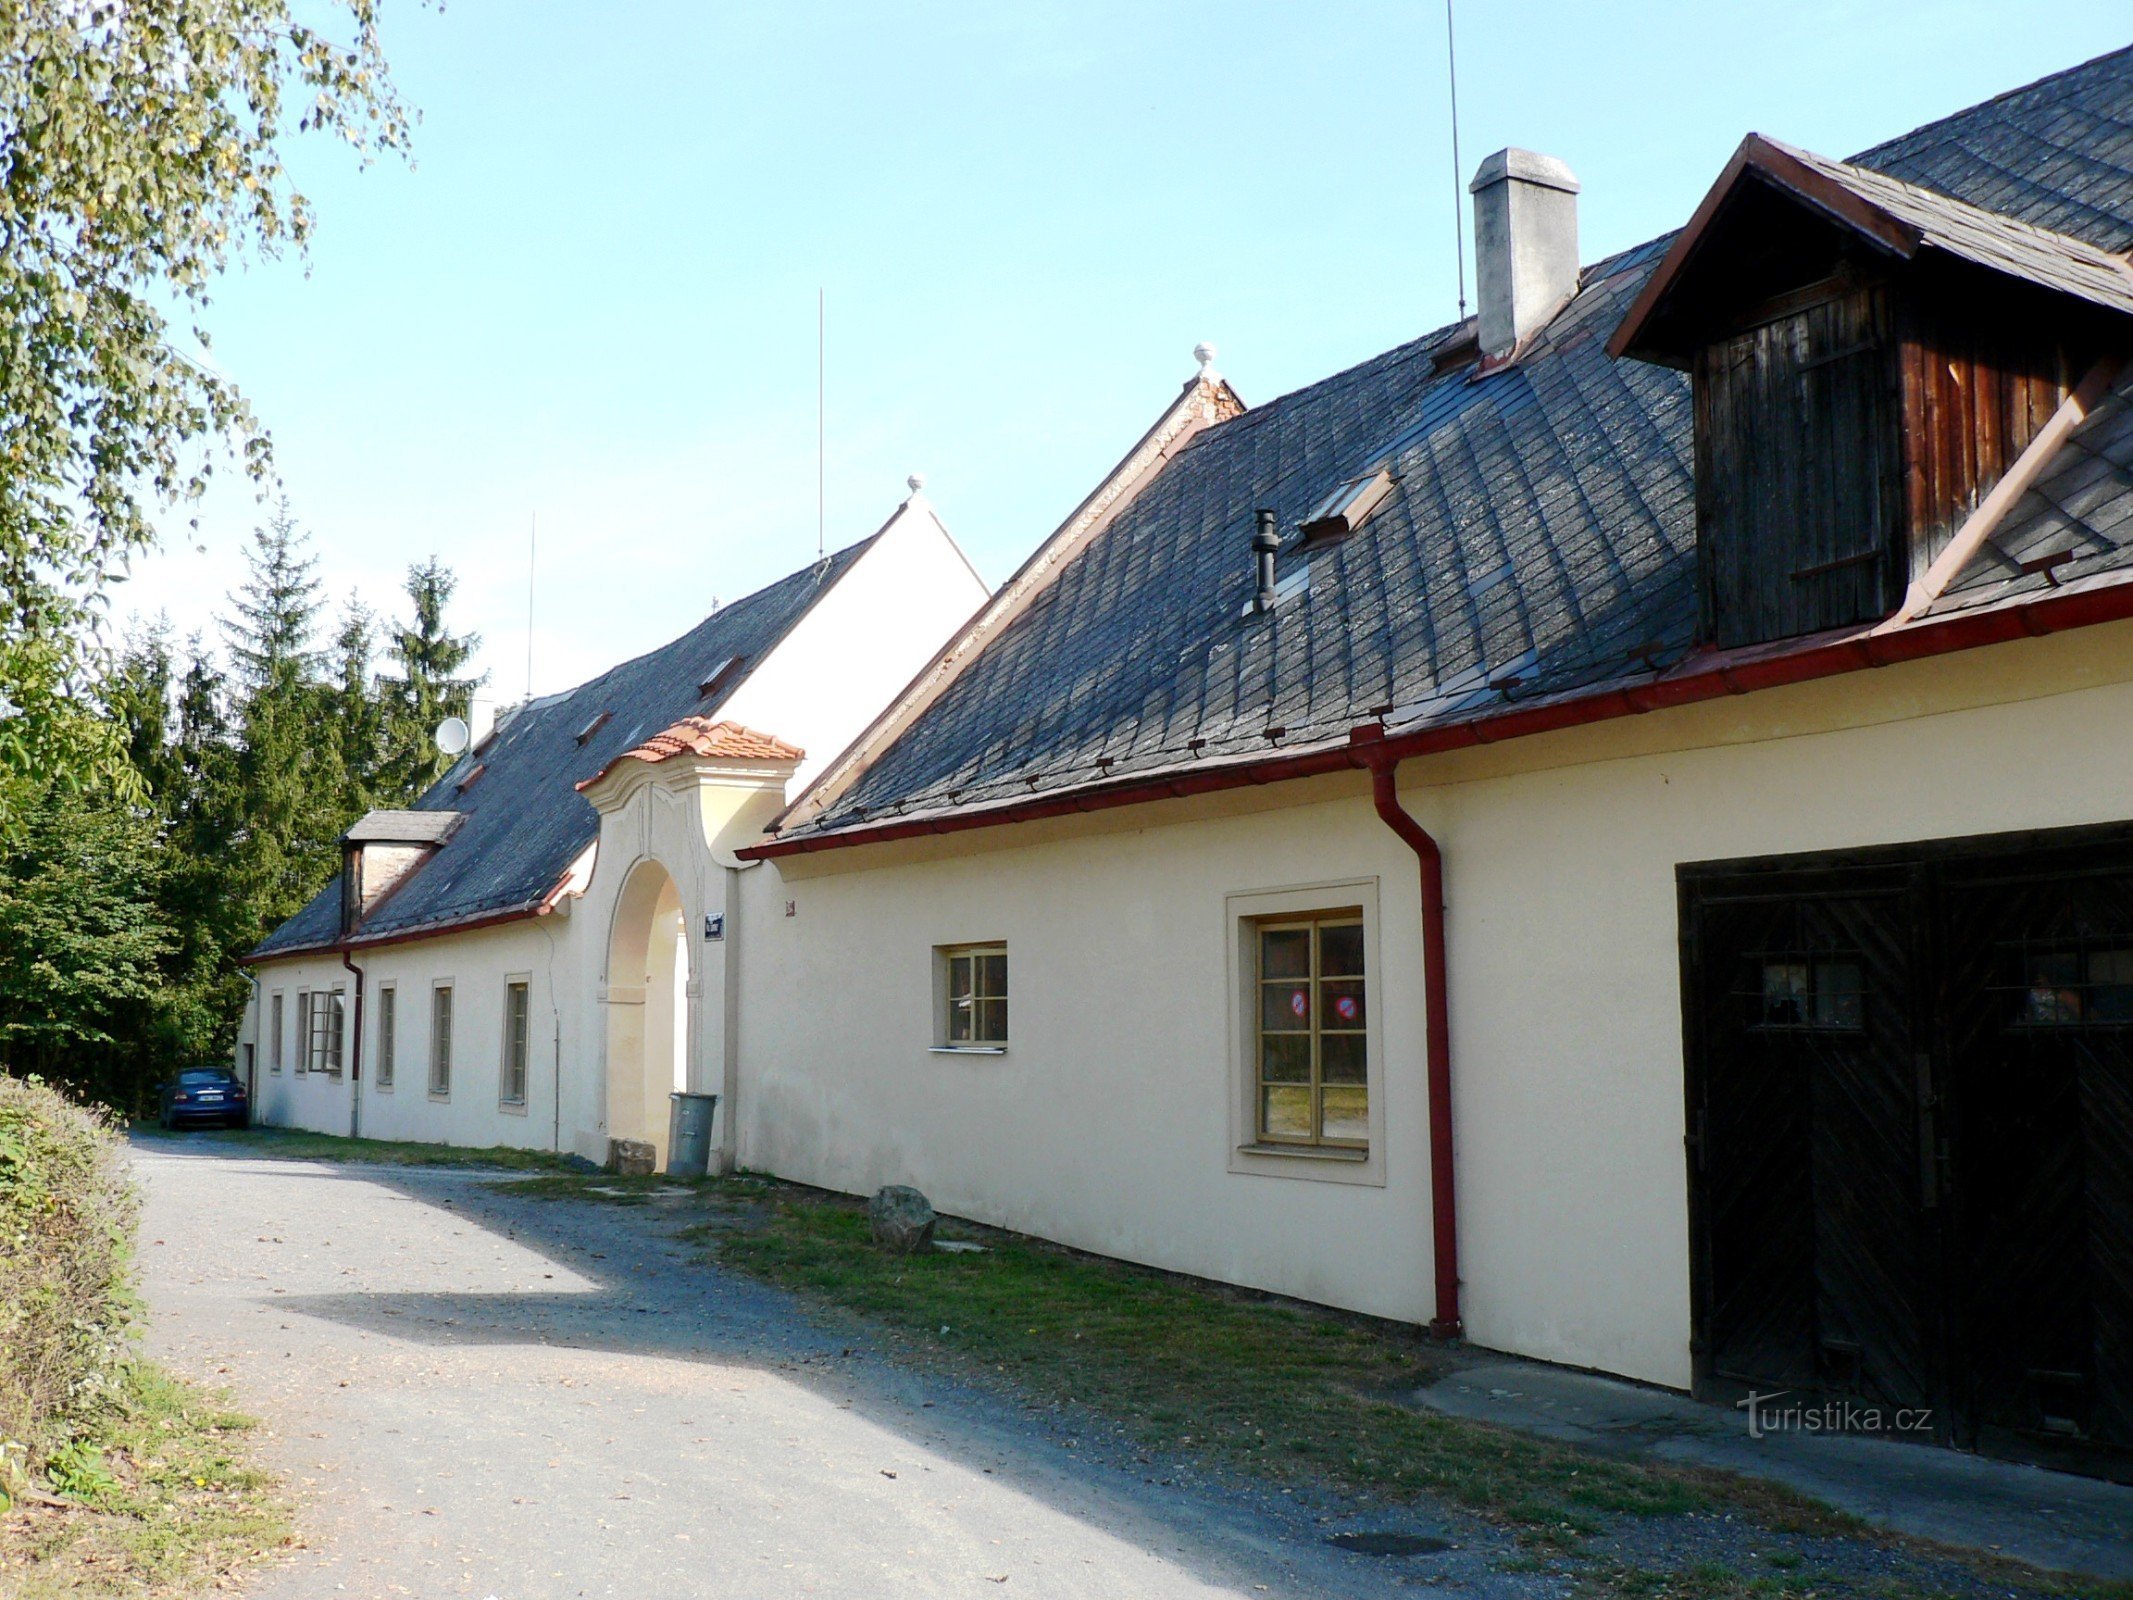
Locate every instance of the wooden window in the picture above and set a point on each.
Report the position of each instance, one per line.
(274, 1033)
(329, 1018)
(1312, 1023)
(388, 1029)
(975, 1012)
(441, 1040)
(516, 1020)
(303, 1031)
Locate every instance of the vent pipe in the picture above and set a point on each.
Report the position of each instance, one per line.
(1265, 541)
(1525, 246)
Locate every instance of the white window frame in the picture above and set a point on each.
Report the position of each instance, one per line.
(435, 1059)
(324, 1049)
(504, 1099)
(302, 1052)
(1242, 915)
(275, 1020)
(944, 958)
(385, 1053)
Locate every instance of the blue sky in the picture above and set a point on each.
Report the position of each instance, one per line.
(592, 297)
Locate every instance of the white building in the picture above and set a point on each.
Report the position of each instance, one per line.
(1607, 828)
(531, 960)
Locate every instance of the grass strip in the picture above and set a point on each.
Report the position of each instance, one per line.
(1293, 1394)
(158, 1498)
(294, 1144)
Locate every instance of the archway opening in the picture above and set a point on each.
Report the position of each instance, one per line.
(647, 1008)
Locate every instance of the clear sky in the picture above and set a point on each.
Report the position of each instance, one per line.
(592, 297)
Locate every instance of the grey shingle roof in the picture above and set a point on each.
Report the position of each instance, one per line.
(1539, 538)
(2005, 244)
(524, 821)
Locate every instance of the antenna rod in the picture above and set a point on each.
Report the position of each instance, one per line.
(533, 534)
(1451, 68)
(821, 427)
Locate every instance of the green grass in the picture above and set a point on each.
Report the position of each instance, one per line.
(293, 1144)
(1191, 1370)
(158, 1499)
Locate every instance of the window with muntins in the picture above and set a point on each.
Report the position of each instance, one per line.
(274, 1034)
(976, 1009)
(1312, 1022)
(441, 1040)
(303, 1031)
(388, 1027)
(516, 1020)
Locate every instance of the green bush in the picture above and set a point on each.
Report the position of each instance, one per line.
(67, 1212)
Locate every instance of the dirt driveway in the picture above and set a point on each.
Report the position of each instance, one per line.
(478, 1395)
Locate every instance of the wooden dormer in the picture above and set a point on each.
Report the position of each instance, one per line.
(1867, 359)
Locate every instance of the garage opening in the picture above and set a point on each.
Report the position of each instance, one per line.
(1910, 1103)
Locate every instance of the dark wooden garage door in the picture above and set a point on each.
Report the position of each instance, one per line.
(1911, 1135)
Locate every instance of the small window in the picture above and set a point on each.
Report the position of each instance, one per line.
(593, 726)
(516, 1011)
(719, 676)
(1348, 507)
(441, 1040)
(2073, 986)
(1816, 991)
(1313, 1031)
(274, 1033)
(473, 776)
(303, 1031)
(974, 1012)
(388, 1029)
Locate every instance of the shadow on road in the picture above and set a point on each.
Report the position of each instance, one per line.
(646, 1293)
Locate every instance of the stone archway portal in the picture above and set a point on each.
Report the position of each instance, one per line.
(647, 1007)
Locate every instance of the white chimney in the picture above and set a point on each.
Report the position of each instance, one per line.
(1525, 245)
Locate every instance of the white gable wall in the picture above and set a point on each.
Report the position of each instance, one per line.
(862, 642)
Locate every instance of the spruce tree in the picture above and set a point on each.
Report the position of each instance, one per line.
(429, 685)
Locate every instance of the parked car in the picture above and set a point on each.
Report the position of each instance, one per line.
(206, 1094)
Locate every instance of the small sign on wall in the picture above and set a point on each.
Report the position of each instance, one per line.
(714, 925)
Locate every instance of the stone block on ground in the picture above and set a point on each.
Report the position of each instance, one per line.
(902, 1218)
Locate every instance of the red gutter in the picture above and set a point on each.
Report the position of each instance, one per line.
(1443, 1192)
(439, 930)
(1708, 675)
(355, 1053)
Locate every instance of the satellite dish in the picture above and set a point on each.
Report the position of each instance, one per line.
(452, 735)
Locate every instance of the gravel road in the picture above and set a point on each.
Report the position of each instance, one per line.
(481, 1395)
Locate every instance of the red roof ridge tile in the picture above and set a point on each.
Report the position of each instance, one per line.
(700, 736)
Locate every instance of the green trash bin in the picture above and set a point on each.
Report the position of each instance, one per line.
(689, 1134)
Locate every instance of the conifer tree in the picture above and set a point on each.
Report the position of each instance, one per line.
(429, 685)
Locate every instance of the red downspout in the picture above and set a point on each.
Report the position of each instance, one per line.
(355, 1053)
(1438, 1046)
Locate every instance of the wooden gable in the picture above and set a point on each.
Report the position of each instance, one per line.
(1857, 387)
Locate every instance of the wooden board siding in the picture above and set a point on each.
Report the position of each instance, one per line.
(1913, 1184)
(1982, 372)
(1798, 471)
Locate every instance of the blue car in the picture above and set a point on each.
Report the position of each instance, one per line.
(206, 1094)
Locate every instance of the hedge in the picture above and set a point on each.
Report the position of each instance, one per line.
(67, 1215)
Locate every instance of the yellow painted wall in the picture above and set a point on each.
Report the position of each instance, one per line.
(1106, 1125)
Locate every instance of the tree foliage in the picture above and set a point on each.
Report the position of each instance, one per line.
(140, 151)
(242, 782)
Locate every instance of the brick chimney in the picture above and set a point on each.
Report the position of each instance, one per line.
(1525, 245)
